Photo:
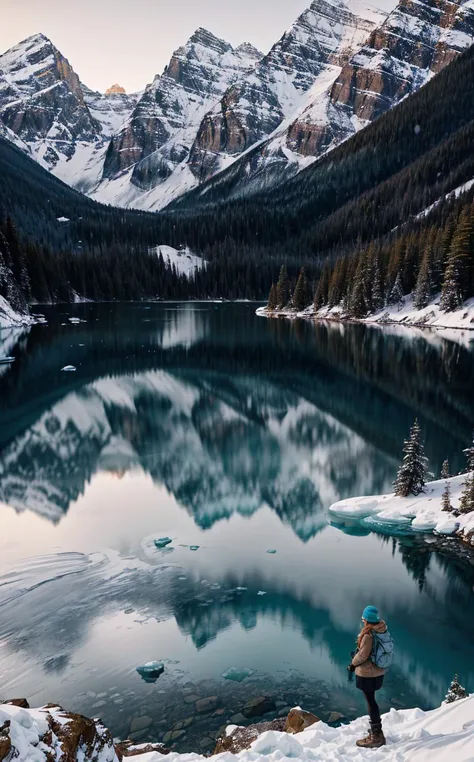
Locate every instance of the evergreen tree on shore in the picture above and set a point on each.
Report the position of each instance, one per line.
(424, 282)
(396, 297)
(301, 298)
(466, 503)
(272, 299)
(321, 293)
(411, 475)
(283, 288)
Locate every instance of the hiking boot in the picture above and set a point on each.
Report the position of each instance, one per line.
(374, 739)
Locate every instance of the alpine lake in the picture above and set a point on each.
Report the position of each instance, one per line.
(230, 435)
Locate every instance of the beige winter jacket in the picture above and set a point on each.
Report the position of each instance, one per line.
(361, 661)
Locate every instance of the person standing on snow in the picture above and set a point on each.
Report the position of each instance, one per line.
(374, 654)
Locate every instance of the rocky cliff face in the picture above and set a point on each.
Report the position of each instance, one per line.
(323, 36)
(46, 108)
(417, 40)
(414, 43)
(162, 127)
(42, 101)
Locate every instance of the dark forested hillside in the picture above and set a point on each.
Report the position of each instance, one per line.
(368, 190)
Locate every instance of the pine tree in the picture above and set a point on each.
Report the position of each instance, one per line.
(445, 474)
(272, 299)
(283, 288)
(377, 293)
(301, 295)
(412, 472)
(396, 297)
(455, 277)
(456, 691)
(446, 498)
(321, 294)
(424, 282)
(357, 301)
(466, 503)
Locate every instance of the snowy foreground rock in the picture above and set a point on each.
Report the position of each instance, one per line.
(446, 733)
(423, 513)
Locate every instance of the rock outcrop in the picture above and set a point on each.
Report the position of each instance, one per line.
(242, 737)
(53, 734)
(298, 720)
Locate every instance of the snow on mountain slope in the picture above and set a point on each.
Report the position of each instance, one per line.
(162, 127)
(417, 40)
(46, 111)
(249, 108)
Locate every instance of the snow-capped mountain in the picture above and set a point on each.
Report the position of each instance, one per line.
(153, 146)
(224, 117)
(44, 104)
(416, 41)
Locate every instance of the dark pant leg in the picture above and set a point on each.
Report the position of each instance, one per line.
(373, 707)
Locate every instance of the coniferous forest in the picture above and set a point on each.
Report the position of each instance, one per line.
(371, 221)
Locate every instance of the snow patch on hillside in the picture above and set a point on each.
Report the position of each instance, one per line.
(422, 513)
(183, 260)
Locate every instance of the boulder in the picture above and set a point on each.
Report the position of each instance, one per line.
(140, 723)
(299, 720)
(5, 742)
(258, 706)
(243, 737)
(207, 704)
(335, 717)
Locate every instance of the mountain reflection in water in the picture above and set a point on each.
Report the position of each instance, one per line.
(234, 434)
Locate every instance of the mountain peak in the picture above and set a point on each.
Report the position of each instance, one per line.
(209, 40)
(247, 49)
(116, 90)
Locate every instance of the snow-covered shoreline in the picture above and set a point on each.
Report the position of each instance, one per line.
(9, 318)
(434, 736)
(421, 514)
(404, 315)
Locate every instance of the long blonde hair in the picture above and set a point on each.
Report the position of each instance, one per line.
(366, 630)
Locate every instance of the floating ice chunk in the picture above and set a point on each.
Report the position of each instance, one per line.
(271, 552)
(162, 542)
(236, 674)
(194, 547)
(358, 509)
(241, 589)
(261, 592)
(5, 360)
(69, 368)
(392, 516)
(151, 671)
(74, 320)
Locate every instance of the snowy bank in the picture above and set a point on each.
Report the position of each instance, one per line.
(404, 314)
(422, 513)
(10, 318)
(435, 736)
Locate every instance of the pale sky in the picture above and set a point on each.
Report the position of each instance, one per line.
(129, 41)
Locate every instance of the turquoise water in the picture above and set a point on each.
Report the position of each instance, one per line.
(230, 434)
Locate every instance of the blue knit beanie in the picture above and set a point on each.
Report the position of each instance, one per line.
(371, 614)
